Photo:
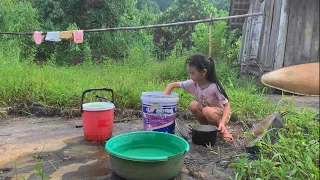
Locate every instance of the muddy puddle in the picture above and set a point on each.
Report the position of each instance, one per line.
(79, 159)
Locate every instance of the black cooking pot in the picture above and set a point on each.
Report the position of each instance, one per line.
(204, 134)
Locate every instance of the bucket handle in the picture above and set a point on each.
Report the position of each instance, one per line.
(96, 89)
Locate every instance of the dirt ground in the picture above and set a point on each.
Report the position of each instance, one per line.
(25, 141)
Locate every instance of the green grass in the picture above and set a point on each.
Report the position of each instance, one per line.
(62, 86)
(52, 85)
(295, 156)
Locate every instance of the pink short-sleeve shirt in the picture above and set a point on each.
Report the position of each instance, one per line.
(209, 96)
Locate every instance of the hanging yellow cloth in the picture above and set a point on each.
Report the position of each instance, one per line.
(66, 35)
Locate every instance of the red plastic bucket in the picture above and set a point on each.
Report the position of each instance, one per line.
(97, 118)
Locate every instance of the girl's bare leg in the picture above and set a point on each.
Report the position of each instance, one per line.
(211, 115)
(196, 109)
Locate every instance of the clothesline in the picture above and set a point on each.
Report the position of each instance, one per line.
(151, 26)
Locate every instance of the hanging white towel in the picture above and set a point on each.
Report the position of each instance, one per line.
(53, 36)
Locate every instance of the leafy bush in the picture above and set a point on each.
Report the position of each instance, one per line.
(17, 16)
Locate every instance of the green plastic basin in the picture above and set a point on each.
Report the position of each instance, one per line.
(147, 155)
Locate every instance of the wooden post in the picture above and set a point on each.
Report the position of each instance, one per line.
(281, 43)
(210, 37)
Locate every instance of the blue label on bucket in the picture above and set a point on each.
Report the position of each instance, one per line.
(159, 110)
(159, 118)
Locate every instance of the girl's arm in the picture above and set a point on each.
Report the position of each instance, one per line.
(226, 113)
(170, 87)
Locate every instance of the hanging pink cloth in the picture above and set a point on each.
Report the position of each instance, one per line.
(37, 36)
(78, 36)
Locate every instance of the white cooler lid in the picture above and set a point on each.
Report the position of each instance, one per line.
(98, 106)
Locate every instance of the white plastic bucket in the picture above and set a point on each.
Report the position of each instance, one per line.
(159, 111)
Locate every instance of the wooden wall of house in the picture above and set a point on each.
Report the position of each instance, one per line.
(302, 45)
(287, 34)
(238, 7)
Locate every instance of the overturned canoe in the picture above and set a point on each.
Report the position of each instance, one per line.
(300, 79)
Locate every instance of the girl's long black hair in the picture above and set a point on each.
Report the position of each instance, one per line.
(200, 62)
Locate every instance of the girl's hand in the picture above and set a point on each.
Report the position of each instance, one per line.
(226, 136)
(222, 127)
(170, 87)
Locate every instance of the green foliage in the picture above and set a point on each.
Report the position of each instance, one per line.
(62, 86)
(225, 44)
(39, 170)
(163, 4)
(85, 14)
(222, 4)
(17, 16)
(294, 156)
(151, 5)
(165, 38)
(57, 14)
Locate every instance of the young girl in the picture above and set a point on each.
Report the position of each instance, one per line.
(212, 106)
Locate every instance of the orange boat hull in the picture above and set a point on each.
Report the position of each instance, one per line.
(300, 79)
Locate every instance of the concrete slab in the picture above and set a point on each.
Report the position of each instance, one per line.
(311, 102)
